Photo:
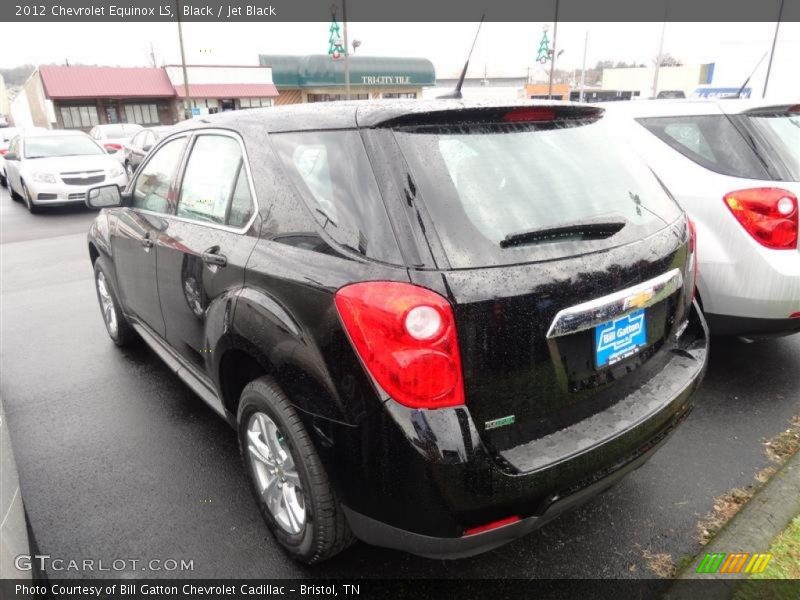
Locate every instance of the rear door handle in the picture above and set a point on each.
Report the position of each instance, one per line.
(213, 257)
(147, 242)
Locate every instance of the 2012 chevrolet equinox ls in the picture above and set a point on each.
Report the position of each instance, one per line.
(434, 326)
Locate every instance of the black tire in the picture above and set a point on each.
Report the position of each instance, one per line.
(3, 181)
(14, 195)
(325, 532)
(26, 197)
(124, 335)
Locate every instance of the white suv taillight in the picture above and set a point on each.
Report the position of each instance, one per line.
(769, 215)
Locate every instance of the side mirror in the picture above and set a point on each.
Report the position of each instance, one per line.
(146, 147)
(10, 156)
(104, 196)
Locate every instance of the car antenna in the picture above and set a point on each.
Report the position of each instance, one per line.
(456, 93)
(746, 81)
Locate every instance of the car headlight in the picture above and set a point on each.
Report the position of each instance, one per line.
(44, 177)
(115, 171)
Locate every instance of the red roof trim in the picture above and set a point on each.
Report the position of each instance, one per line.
(77, 82)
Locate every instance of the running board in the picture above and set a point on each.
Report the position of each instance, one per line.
(181, 368)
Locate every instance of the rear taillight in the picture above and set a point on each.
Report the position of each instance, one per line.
(114, 147)
(2, 152)
(769, 215)
(406, 338)
(692, 255)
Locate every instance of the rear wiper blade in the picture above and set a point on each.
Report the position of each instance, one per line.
(590, 230)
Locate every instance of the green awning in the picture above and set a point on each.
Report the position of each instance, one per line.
(320, 70)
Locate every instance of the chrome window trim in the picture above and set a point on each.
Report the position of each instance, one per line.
(601, 310)
(192, 135)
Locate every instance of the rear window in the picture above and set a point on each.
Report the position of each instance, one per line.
(713, 142)
(484, 184)
(781, 133)
(332, 172)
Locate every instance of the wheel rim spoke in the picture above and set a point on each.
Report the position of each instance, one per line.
(272, 495)
(275, 473)
(258, 449)
(292, 478)
(295, 522)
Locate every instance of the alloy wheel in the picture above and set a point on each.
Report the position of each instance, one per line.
(275, 473)
(107, 304)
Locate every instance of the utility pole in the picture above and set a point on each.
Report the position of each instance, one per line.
(152, 55)
(555, 55)
(771, 52)
(346, 52)
(660, 49)
(583, 68)
(186, 95)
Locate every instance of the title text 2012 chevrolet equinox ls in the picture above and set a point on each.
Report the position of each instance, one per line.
(434, 325)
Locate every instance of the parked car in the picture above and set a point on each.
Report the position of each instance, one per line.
(734, 166)
(434, 325)
(53, 168)
(114, 136)
(6, 135)
(139, 145)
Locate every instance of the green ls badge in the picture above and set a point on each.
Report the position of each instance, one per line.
(501, 422)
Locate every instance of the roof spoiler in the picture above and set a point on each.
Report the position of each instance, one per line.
(496, 115)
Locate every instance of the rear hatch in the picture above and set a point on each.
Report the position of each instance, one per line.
(565, 258)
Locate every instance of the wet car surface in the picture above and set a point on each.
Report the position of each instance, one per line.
(118, 458)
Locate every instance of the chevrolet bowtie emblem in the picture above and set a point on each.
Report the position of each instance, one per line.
(639, 300)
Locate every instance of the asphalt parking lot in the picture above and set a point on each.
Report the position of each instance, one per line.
(118, 459)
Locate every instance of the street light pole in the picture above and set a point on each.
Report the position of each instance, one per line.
(186, 95)
(555, 55)
(346, 53)
(771, 52)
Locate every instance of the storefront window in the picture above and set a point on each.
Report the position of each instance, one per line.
(143, 114)
(335, 97)
(254, 102)
(411, 95)
(75, 117)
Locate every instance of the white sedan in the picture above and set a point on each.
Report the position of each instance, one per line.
(53, 168)
(734, 166)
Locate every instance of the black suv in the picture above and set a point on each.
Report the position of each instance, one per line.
(434, 326)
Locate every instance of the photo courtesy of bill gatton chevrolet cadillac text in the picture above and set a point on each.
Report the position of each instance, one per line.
(434, 325)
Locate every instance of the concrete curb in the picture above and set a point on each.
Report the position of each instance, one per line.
(751, 530)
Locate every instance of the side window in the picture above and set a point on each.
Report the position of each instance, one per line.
(152, 189)
(690, 136)
(215, 188)
(241, 203)
(332, 172)
(711, 141)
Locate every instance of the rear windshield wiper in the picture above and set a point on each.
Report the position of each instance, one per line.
(591, 230)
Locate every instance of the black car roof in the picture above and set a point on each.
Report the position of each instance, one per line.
(344, 115)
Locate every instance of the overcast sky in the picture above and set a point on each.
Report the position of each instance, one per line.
(503, 48)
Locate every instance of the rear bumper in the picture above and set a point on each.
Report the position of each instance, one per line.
(459, 483)
(748, 326)
(376, 533)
